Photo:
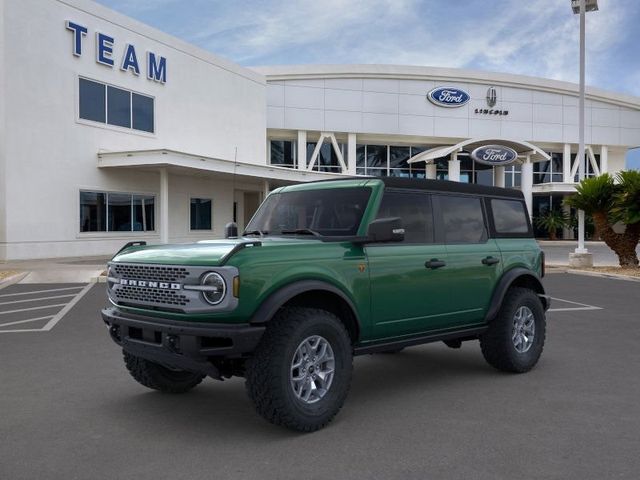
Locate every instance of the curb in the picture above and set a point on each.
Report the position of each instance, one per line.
(4, 283)
(613, 276)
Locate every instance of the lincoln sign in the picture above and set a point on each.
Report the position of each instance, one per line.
(494, 155)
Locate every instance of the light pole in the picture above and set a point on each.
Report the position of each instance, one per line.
(580, 7)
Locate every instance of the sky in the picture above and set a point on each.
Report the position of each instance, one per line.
(528, 37)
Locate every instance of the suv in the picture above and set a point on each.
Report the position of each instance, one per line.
(325, 271)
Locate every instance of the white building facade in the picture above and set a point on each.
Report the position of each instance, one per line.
(111, 131)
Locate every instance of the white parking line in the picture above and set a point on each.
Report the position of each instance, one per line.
(54, 319)
(581, 306)
(25, 321)
(33, 308)
(38, 299)
(41, 291)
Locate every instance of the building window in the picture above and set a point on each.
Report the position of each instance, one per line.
(201, 213)
(327, 160)
(283, 153)
(116, 212)
(512, 176)
(549, 171)
(388, 160)
(115, 106)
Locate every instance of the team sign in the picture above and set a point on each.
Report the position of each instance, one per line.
(156, 65)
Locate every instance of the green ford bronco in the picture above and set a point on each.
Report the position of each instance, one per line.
(325, 271)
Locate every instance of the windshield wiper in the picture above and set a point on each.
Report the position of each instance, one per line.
(301, 231)
(254, 232)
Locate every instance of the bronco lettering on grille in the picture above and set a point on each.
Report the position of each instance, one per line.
(149, 284)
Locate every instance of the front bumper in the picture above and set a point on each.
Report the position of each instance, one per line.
(185, 345)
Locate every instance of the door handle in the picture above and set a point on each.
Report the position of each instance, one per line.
(490, 260)
(434, 263)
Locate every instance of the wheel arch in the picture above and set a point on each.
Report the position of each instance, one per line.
(516, 277)
(312, 294)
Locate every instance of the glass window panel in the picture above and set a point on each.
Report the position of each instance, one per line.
(400, 172)
(93, 212)
(557, 163)
(283, 153)
(463, 219)
(144, 213)
(119, 212)
(484, 177)
(377, 172)
(201, 214)
(92, 101)
(415, 211)
(360, 156)
(376, 156)
(509, 216)
(360, 171)
(118, 107)
(142, 113)
(398, 157)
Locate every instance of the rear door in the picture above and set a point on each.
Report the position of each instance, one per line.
(474, 262)
(407, 296)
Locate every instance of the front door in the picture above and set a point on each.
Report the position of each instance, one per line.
(408, 291)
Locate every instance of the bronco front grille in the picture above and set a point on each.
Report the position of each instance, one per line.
(152, 272)
(132, 295)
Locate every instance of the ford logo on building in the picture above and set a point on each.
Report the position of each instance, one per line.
(448, 97)
(494, 155)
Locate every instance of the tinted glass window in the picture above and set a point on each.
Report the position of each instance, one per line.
(509, 216)
(463, 219)
(118, 107)
(93, 212)
(92, 101)
(143, 213)
(415, 211)
(200, 214)
(330, 212)
(142, 112)
(119, 212)
(283, 153)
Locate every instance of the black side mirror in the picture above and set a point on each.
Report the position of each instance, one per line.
(385, 230)
(231, 230)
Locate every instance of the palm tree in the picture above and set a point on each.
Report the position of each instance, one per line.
(551, 221)
(609, 202)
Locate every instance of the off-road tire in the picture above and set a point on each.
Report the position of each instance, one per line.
(268, 370)
(157, 377)
(496, 343)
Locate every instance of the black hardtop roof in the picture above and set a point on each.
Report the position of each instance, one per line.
(440, 186)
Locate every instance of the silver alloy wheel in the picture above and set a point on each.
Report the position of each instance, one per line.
(312, 369)
(524, 329)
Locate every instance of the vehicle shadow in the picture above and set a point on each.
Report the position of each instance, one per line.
(226, 408)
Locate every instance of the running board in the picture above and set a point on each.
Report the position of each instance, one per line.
(464, 334)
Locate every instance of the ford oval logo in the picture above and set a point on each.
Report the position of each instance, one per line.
(448, 97)
(494, 155)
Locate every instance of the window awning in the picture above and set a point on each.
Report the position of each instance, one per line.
(522, 148)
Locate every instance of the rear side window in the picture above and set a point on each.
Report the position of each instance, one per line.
(509, 216)
(463, 219)
(415, 211)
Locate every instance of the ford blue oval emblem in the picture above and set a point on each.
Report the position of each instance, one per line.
(494, 155)
(448, 96)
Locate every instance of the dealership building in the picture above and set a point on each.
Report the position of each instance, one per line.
(112, 131)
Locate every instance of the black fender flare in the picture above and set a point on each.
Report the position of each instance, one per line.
(506, 281)
(277, 299)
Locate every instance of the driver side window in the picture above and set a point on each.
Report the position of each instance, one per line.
(415, 211)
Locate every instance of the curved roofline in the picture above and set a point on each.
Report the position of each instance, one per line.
(521, 147)
(412, 72)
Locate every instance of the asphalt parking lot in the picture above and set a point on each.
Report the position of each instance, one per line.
(69, 410)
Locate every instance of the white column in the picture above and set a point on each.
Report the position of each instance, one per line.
(431, 171)
(566, 164)
(498, 176)
(604, 159)
(302, 150)
(351, 154)
(454, 168)
(164, 206)
(526, 181)
(265, 189)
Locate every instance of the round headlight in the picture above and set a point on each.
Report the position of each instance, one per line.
(216, 288)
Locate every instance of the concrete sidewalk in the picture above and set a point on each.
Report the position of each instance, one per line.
(58, 270)
(557, 252)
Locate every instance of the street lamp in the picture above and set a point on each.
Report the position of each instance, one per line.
(580, 7)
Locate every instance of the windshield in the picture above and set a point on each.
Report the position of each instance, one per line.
(327, 212)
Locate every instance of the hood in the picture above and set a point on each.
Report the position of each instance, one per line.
(208, 252)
